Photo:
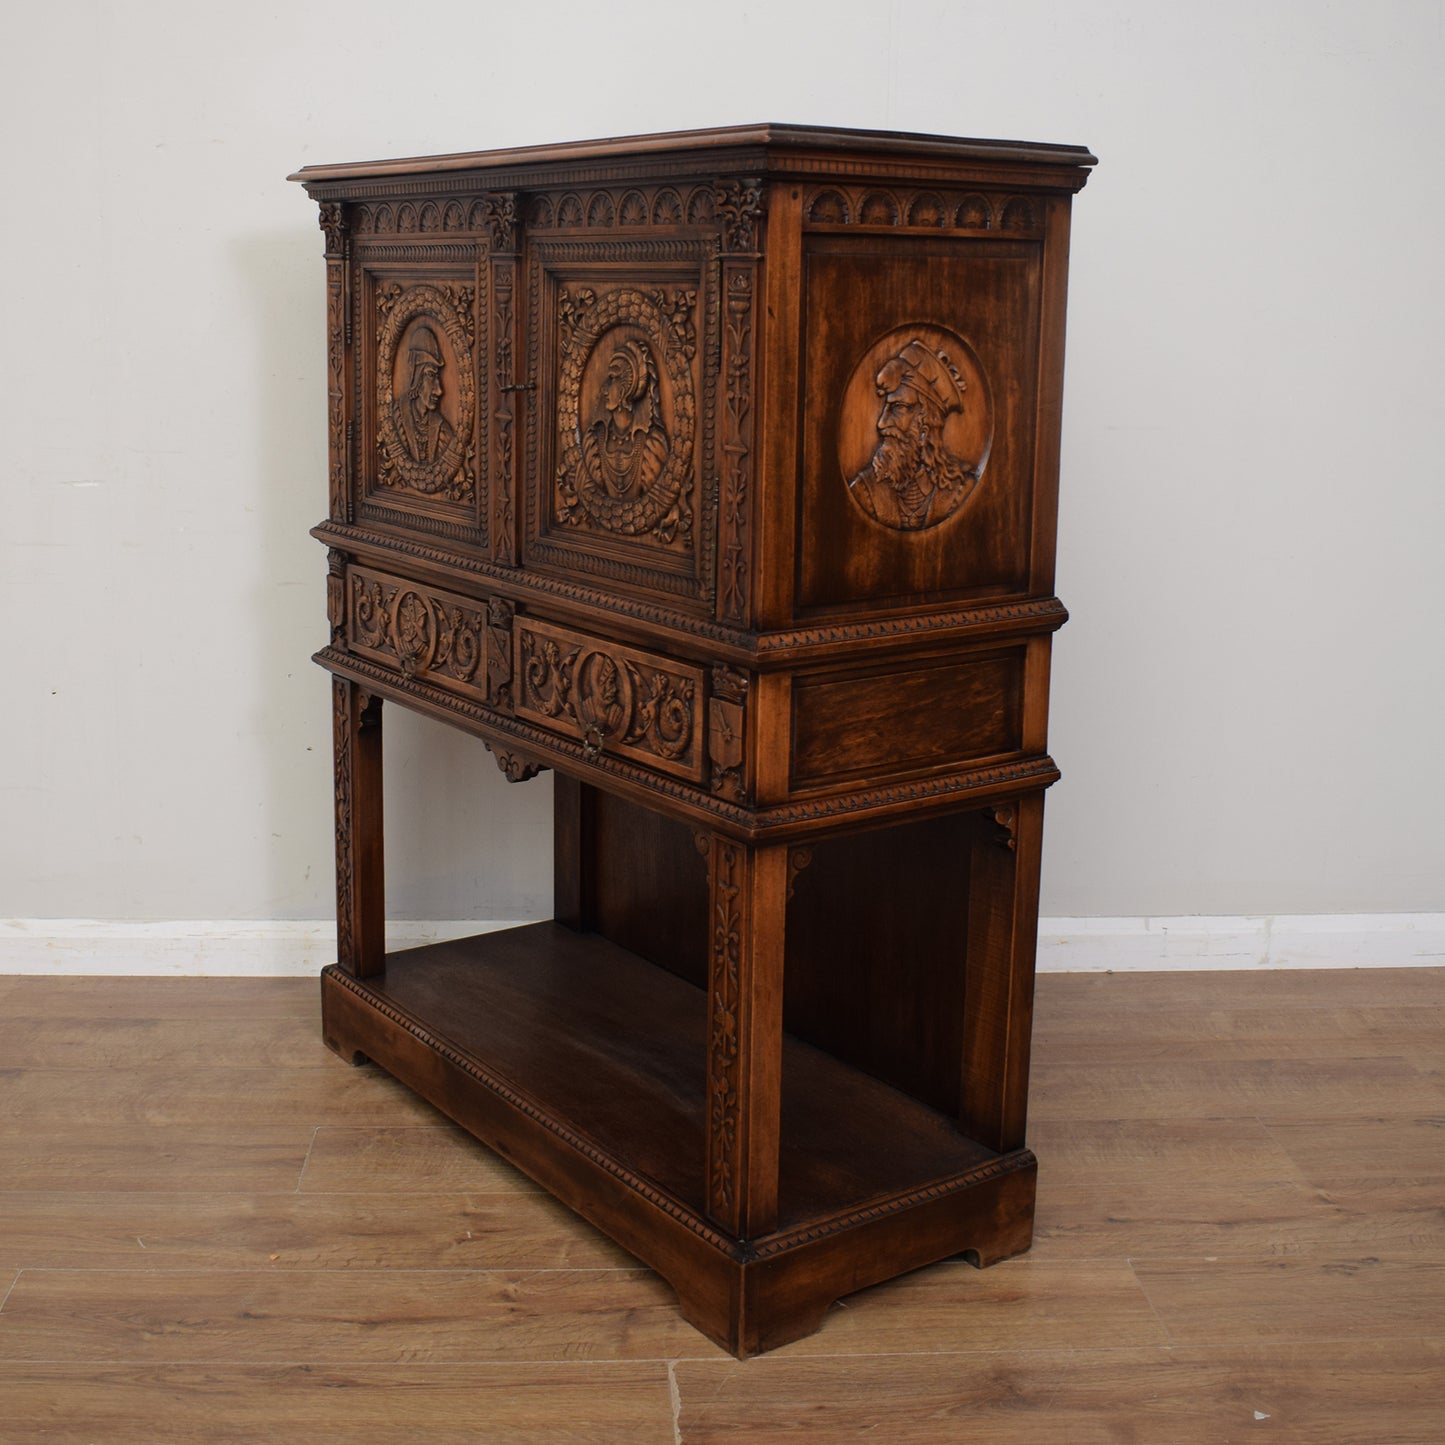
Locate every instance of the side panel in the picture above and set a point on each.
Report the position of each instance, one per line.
(889, 721)
(917, 484)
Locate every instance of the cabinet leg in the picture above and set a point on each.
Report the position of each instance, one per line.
(360, 882)
(572, 815)
(745, 1034)
(999, 973)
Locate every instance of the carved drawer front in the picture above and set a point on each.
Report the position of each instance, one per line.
(460, 643)
(614, 699)
(891, 722)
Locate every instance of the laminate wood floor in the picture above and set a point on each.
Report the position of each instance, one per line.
(213, 1230)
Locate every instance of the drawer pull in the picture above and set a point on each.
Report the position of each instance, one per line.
(592, 740)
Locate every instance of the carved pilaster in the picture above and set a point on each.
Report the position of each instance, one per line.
(337, 345)
(724, 1008)
(727, 732)
(344, 758)
(737, 440)
(747, 893)
(500, 616)
(501, 390)
(739, 207)
(336, 595)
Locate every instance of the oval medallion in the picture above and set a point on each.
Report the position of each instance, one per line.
(426, 393)
(915, 427)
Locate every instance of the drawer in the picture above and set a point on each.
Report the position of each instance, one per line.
(460, 643)
(882, 722)
(613, 699)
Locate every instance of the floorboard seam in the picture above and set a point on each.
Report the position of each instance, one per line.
(674, 1395)
(1148, 1300)
(311, 1144)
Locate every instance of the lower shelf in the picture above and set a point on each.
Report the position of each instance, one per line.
(585, 1065)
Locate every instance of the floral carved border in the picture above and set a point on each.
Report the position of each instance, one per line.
(617, 700)
(725, 1004)
(921, 209)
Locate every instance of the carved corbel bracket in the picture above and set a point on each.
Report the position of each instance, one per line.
(517, 769)
(368, 709)
(798, 859)
(333, 226)
(499, 213)
(1004, 817)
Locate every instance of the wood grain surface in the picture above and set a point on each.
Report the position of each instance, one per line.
(211, 1229)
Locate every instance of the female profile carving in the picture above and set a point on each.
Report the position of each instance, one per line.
(625, 413)
(625, 446)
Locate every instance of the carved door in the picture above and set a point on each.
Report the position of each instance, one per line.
(416, 457)
(622, 338)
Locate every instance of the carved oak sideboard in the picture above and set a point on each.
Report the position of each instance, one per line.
(716, 472)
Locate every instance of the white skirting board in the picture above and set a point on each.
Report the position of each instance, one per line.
(212, 947)
(199, 948)
(1284, 940)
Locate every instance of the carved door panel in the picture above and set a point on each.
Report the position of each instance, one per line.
(417, 457)
(922, 318)
(619, 470)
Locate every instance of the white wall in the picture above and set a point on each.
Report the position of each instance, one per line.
(1247, 701)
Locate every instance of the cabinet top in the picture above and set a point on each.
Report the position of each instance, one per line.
(770, 147)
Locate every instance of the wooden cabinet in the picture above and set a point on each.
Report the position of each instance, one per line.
(716, 472)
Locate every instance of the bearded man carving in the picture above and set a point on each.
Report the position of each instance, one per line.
(914, 479)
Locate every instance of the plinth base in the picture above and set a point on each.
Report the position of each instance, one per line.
(584, 1065)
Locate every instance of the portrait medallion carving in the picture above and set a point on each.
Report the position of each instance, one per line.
(625, 412)
(915, 427)
(425, 390)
